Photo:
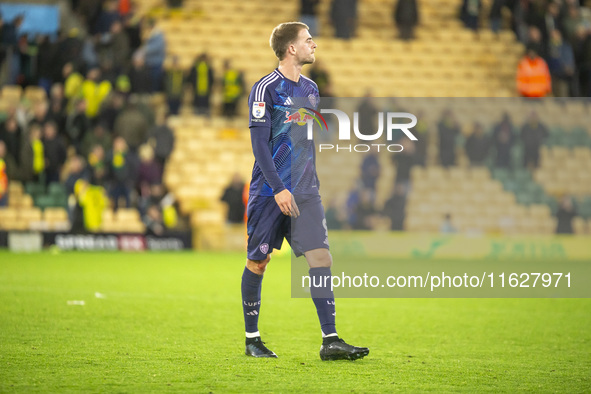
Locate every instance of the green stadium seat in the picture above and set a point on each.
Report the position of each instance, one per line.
(500, 174)
(551, 202)
(57, 190)
(44, 201)
(510, 185)
(35, 188)
(522, 175)
(580, 137)
(517, 156)
(554, 137)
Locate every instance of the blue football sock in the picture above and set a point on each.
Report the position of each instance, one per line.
(251, 299)
(323, 298)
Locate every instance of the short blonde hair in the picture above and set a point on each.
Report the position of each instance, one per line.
(284, 35)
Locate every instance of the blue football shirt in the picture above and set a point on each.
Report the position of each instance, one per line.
(280, 103)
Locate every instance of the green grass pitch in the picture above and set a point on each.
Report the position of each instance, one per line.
(173, 322)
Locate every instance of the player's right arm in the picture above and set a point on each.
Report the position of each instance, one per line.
(260, 135)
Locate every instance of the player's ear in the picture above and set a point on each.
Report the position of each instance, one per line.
(291, 49)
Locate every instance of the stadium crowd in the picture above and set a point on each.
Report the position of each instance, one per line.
(97, 129)
(99, 122)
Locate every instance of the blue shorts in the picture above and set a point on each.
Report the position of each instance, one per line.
(267, 226)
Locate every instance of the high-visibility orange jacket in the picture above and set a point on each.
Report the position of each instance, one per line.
(533, 77)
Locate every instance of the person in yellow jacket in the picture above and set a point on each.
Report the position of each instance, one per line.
(72, 84)
(233, 89)
(94, 92)
(201, 78)
(533, 76)
(93, 200)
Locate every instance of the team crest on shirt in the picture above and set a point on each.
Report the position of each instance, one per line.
(258, 109)
(313, 100)
(264, 248)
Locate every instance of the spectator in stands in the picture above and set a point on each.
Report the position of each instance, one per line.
(470, 13)
(39, 114)
(552, 21)
(533, 76)
(343, 15)
(72, 81)
(232, 88)
(533, 135)
(132, 27)
(161, 138)
(47, 62)
(174, 79)
(54, 150)
(154, 50)
(406, 18)
(404, 162)
(175, 3)
(334, 220)
(94, 92)
(112, 107)
(57, 107)
(496, 15)
(75, 170)
(89, 55)
(477, 146)
(368, 114)
(364, 211)
(582, 48)
(106, 17)
(370, 172)
(121, 172)
(97, 166)
(119, 47)
(87, 11)
(395, 208)
(77, 124)
(8, 169)
(353, 200)
(308, 15)
(98, 136)
(32, 156)
(131, 124)
(91, 202)
(11, 135)
(536, 42)
(503, 140)
(10, 43)
(150, 171)
(201, 79)
(153, 221)
(421, 130)
(232, 196)
(572, 21)
(449, 129)
(71, 47)
(320, 75)
(565, 215)
(139, 76)
(447, 227)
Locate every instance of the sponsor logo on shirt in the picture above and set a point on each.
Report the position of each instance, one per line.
(258, 109)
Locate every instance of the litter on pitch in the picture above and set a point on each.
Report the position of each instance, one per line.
(76, 302)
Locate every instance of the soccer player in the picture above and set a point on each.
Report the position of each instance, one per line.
(284, 201)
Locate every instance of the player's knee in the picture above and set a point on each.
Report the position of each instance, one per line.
(258, 266)
(319, 258)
